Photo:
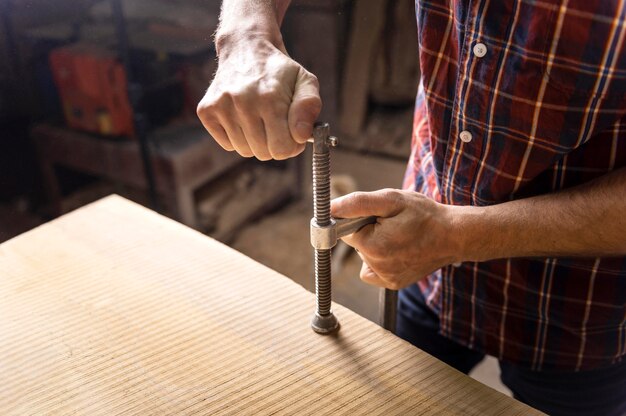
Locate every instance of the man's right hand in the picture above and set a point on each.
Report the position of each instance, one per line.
(261, 102)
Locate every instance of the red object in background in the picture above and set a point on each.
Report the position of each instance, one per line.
(93, 89)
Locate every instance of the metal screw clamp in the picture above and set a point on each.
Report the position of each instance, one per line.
(324, 321)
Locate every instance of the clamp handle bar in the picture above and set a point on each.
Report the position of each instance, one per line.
(347, 226)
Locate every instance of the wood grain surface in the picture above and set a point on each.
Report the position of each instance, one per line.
(113, 309)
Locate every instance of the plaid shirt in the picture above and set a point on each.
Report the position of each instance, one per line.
(521, 98)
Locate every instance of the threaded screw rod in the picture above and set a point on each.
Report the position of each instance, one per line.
(324, 321)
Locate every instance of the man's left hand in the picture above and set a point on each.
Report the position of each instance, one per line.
(413, 237)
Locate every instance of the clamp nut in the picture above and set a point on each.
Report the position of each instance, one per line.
(323, 237)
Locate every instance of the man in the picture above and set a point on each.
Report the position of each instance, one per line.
(512, 219)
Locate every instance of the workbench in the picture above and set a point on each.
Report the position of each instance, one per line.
(114, 309)
(184, 157)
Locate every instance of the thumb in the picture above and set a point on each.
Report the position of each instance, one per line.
(383, 203)
(305, 106)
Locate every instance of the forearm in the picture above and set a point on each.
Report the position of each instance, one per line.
(588, 220)
(243, 20)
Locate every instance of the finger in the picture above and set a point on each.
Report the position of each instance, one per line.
(237, 139)
(233, 130)
(368, 276)
(254, 133)
(305, 106)
(383, 203)
(279, 142)
(219, 135)
(207, 115)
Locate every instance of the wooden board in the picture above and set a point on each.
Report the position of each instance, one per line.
(113, 309)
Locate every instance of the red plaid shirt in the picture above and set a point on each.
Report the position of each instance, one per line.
(521, 98)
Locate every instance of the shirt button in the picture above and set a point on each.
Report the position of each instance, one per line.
(480, 50)
(465, 136)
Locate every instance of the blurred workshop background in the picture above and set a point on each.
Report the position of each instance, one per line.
(99, 97)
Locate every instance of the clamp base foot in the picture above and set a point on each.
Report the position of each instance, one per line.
(324, 324)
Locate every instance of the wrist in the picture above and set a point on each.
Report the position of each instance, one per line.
(246, 35)
(474, 237)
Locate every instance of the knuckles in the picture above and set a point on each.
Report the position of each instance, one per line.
(205, 110)
(244, 100)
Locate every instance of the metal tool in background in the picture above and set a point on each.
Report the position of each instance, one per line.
(325, 232)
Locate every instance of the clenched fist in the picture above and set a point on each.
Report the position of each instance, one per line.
(261, 102)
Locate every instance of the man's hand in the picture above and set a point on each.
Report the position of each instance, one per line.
(416, 236)
(413, 237)
(261, 102)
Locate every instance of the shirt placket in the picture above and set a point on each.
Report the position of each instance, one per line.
(465, 138)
